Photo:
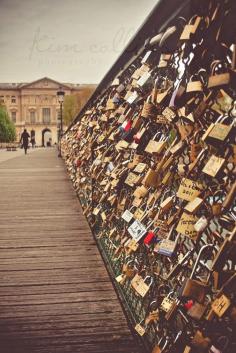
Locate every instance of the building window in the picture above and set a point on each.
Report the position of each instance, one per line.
(32, 117)
(1, 99)
(13, 99)
(46, 115)
(13, 116)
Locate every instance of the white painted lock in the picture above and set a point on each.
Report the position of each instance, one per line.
(201, 224)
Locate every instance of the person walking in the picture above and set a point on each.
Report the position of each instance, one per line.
(25, 140)
(32, 141)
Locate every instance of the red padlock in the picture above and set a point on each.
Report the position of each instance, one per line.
(78, 163)
(188, 305)
(128, 125)
(149, 238)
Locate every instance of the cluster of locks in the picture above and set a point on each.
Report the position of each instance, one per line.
(153, 163)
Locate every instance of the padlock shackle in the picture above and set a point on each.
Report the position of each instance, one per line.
(203, 248)
(148, 277)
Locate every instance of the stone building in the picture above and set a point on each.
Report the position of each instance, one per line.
(35, 106)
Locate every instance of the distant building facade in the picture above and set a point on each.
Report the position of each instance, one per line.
(35, 106)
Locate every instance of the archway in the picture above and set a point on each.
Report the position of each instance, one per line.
(46, 137)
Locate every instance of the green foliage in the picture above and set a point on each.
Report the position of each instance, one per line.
(70, 109)
(7, 128)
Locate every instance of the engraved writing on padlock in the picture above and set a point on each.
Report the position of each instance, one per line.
(189, 189)
(220, 305)
(137, 230)
(186, 225)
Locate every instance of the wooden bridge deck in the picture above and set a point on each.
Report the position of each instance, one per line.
(55, 293)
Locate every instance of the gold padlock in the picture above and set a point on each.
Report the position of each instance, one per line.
(220, 305)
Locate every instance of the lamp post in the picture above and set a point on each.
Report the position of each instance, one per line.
(60, 96)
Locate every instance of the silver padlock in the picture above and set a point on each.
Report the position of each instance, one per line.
(201, 224)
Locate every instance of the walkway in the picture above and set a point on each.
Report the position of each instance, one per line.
(55, 294)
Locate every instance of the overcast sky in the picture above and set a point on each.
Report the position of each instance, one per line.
(66, 40)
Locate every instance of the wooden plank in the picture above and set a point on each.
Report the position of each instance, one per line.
(54, 288)
(89, 319)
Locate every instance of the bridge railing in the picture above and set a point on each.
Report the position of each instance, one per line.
(152, 158)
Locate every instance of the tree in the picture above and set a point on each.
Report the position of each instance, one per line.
(70, 109)
(7, 128)
(74, 103)
(84, 94)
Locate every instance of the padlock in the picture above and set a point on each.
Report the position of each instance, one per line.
(128, 269)
(141, 212)
(200, 341)
(167, 204)
(171, 313)
(169, 114)
(121, 278)
(191, 28)
(213, 165)
(216, 205)
(141, 285)
(151, 178)
(201, 224)
(145, 79)
(167, 246)
(181, 264)
(195, 146)
(168, 177)
(167, 302)
(140, 191)
(194, 205)
(156, 145)
(220, 76)
(221, 305)
(189, 189)
(140, 329)
(194, 85)
(194, 288)
(149, 238)
(152, 317)
(218, 132)
(149, 110)
(197, 310)
(220, 345)
(127, 216)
